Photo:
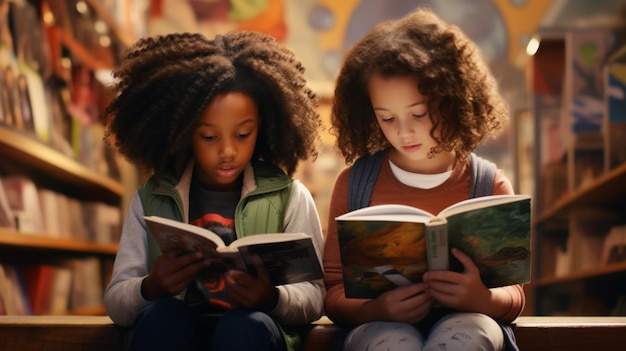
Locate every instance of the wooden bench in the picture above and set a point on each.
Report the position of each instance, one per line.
(69, 333)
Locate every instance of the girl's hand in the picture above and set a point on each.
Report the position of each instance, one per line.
(247, 291)
(408, 304)
(171, 274)
(463, 291)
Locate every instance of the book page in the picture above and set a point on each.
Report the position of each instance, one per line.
(286, 261)
(480, 202)
(174, 236)
(388, 212)
(266, 238)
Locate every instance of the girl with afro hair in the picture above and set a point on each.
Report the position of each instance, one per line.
(222, 125)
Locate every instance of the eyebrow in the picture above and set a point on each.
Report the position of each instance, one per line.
(421, 102)
(242, 123)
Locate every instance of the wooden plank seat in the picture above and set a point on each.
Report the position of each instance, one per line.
(98, 333)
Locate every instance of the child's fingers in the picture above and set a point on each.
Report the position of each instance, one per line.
(262, 274)
(465, 260)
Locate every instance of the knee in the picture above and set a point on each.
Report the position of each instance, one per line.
(165, 313)
(243, 329)
(384, 336)
(466, 331)
(166, 324)
(239, 319)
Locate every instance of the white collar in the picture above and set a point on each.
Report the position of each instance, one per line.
(419, 180)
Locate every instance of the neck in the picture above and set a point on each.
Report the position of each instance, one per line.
(440, 163)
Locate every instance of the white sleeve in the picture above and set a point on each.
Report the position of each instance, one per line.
(122, 297)
(302, 303)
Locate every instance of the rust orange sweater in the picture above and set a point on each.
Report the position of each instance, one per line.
(389, 190)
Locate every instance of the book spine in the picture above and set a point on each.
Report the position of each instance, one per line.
(437, 245)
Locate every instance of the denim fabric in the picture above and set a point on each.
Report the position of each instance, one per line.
(171, 324)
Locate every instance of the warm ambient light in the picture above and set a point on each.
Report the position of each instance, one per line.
(533, 46)
(48, 18)
(100, 27)
(105, 41)
(81, 7)
(66, 62)
(105, 76)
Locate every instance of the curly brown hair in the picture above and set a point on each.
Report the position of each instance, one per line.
(165, 82)
(463, 98)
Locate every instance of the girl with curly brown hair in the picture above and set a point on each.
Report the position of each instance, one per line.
(222, 125)
(415, 94)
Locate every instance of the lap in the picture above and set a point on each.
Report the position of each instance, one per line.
(457, 331)
(172, 324)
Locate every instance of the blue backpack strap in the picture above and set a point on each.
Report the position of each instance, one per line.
(483, 176)
(363, 175)
(365, 171)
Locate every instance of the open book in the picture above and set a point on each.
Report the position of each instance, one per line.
(389, 245)
(287, 257)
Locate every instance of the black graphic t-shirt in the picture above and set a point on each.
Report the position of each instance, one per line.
(215, 211)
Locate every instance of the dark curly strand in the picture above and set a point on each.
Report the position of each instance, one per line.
(462, 94)
(166, 82)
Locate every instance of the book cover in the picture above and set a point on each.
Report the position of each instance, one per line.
(18, 299)
(86, 290)
(21, 193)
(60, 291)
(12, 113)
(39, 281)
(614, 116)
(32, 101)
(614, 246)
(287, 257)
(585, 55)
(29, 39)
(57, 97)
(13, 291)
(587, 159)
(102, 221)
(7, 219)
(51, 212)
(389, 245)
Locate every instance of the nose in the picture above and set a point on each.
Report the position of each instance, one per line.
(227, 149)
(404, 128)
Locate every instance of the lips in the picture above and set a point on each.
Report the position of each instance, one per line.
(226, 171)
(411, 148)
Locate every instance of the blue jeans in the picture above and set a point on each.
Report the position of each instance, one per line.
(170, 324)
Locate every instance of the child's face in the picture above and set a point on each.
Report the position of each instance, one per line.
(224, 141)
(402, 115)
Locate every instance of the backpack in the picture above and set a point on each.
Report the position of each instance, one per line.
(365, 171)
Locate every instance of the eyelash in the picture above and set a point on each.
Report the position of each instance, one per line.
(389, 119)
(239, 136)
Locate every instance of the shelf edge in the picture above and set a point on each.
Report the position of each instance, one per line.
(12, 238)
(23, 146)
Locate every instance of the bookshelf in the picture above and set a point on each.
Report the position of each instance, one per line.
(573, 219)
(41, 161)
(93, 182)
(608, 189)
(48, 167)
